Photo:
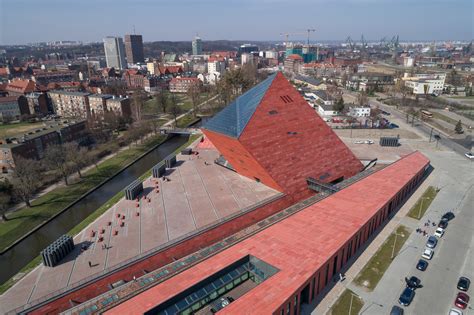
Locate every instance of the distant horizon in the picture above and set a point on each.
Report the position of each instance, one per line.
(24, 21)
(296, 41)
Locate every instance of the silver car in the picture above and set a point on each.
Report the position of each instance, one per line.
(432, 241)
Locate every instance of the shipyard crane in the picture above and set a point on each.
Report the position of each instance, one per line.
(309, 30)
(350, 42)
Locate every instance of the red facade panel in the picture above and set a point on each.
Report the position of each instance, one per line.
(291, 142)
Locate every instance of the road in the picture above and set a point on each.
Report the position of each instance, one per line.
(453, 256)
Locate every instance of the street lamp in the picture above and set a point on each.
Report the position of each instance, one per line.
(421, 207)
(350, 306)
(395, 243)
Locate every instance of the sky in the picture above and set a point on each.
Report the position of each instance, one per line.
(27, 21)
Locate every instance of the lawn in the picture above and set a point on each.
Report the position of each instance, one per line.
(419, 209)
(15, 129)
(373, 271)
(24, 220)
(343, 304)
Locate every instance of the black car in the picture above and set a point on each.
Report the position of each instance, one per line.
(385, 112)
(443, 223)
(448, 216)
(422, 265)
(407, 296)
(464, 283)
(413, 282)
(396, 310)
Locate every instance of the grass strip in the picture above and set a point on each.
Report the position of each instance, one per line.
(374, 270)
(423, 203)
(343, 304)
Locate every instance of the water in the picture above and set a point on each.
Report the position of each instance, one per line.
(23, 252)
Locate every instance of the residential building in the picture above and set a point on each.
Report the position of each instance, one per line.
(133, 78)
(32, 144)
(359, 111)
(421, 84)
(38, 103)
(324, 97)
(367, 81)
(119, 105)
(19, 87)
(45, 77)
(182, 85)
(312, 83)
(326, 110)
(70, 104)
(98, 104)
(115, 53)
(247, 58)
(293, 63)
(216, 67)
(134, 48)
(197, 46)
(12, 107)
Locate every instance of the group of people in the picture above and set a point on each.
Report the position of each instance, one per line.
(427, 224)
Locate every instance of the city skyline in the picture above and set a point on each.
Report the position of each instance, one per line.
(264, 20)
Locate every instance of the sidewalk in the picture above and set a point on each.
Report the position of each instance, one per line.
(324, 305)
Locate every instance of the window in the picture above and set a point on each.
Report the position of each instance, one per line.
(273, 112)
(292, 133)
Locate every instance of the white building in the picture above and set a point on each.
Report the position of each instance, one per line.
(326, 110)
(247, 58)
(359, 111)
(209, 78)
(425, 83)
(216, 67)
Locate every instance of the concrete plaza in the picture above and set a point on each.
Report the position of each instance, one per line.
(198, 193)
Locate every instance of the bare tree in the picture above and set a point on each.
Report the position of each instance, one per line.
(56, 157)
(194, 92)
(138, 100)
(175, 110)
(162, 100)
(77, 156)
(362, 98)
(26, 179)
(4, 201)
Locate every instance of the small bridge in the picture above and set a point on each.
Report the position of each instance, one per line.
(179, 131)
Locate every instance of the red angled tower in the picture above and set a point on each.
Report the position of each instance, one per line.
(270, 134)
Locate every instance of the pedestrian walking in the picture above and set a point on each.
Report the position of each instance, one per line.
(90, 264)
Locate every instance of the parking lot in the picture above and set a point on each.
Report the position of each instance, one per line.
(453, 256)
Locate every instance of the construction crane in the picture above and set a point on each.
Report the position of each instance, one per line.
(309, 30)
(363, 42)
(288, 35)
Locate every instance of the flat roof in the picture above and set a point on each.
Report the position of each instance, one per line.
(297, 246)
(198, 194)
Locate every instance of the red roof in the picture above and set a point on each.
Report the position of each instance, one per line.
(3, 71)
(295, 57)
(21, 86)
(297, 246)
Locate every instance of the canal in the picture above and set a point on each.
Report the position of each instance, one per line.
(18, 256)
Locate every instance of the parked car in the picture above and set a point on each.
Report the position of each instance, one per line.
(439, 232)
(448, 216)
(455, 311)
(443, 223)
(407, 296)
(359, 142)
(469, 155)
(422, 265)
(462, 299)
(463, 284)
(432, 241)
(413, 282)
(428, 253)
(385, 112)
(369, 142)
(396, 310)
(393, 126)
